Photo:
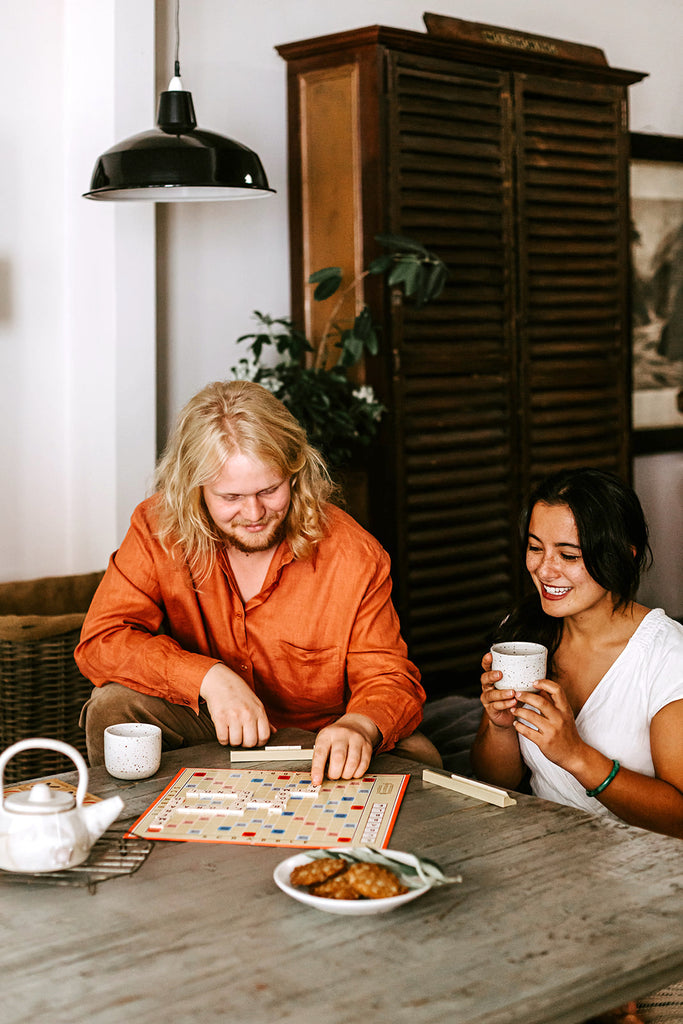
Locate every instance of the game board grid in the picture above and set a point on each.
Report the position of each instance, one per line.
(273, 808)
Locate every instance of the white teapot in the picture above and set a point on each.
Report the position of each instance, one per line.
(46, 829)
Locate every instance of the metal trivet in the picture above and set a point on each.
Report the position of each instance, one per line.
(113, 854)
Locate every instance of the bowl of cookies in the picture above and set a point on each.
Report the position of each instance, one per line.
(360, 880)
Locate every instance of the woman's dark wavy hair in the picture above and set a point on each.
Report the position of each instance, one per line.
(613, 535)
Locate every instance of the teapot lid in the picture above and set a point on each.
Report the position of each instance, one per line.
(40, 799)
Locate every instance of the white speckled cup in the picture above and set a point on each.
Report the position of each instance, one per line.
(132, 750)
(521, 663)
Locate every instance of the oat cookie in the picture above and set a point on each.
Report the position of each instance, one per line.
(373, 881)
(336, 888)
(315, 871)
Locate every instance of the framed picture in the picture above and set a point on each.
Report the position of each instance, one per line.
(657, 291)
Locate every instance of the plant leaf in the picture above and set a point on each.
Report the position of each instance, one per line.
(362, 325)
(436, 281)
(372, 341)
(407, 272)
(352, 348)
(381, 264)
(400, 243)
(328, 280)
(322, 275)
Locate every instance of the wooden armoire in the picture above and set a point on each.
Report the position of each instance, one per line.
(507, 155)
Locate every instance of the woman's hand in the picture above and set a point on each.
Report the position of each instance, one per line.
(499, 705)
(555, 732)
(495, 753)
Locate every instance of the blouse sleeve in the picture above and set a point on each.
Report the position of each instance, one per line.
(666, 665)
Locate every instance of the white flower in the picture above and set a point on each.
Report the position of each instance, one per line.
(246, 369)
(364, 394)
(271, 383)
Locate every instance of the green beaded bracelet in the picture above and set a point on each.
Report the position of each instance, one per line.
(603, 785)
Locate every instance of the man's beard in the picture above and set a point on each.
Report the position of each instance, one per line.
(260, 541)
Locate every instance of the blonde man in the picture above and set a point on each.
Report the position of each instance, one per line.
(242, 601)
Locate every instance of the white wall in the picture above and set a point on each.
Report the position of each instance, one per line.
(33, 370)
(109, 281)
(77, 279)
(77, 285)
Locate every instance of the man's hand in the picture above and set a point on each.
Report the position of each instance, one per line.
(237, 713)
(347, 744)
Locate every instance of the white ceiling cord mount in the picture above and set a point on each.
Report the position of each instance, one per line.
(176, 161)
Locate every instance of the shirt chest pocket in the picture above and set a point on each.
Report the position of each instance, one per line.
(307, 678)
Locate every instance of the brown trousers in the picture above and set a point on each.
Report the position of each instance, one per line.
(181, 727)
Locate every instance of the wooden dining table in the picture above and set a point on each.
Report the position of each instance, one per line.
(559, 916)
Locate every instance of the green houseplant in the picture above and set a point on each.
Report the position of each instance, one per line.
(339, 415)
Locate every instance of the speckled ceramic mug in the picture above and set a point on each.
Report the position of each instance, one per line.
(521, 663)
(132, 750)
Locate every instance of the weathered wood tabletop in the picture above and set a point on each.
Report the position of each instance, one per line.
(559, 916)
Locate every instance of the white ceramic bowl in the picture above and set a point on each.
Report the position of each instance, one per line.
(354, 907)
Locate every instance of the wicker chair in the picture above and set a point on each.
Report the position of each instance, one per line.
(41, 688)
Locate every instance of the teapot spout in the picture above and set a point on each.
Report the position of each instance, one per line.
(98, 817)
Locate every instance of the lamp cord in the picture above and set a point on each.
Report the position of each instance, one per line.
(177, 39)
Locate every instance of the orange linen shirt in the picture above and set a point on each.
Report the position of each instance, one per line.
(321, 638)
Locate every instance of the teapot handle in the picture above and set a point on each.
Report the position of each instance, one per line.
(47, 744)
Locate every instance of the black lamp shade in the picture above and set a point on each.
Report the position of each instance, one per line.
(176, 161)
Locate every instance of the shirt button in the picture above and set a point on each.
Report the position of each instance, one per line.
(244, 667)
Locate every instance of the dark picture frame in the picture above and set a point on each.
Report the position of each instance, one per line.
(656, 195)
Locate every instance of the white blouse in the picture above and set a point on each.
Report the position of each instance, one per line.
(647, 675)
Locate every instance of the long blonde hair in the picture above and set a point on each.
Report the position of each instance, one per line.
(223, 419)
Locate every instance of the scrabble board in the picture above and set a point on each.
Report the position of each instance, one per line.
(273, 808)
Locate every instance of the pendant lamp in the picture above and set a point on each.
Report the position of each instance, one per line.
(176, 161)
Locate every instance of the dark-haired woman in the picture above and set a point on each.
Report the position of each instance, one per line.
(609, 717)
(605, 730)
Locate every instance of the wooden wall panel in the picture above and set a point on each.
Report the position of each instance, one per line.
(331, 193)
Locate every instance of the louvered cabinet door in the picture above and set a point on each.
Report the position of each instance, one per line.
(449, 186)
(512, 166)
(572, 251)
